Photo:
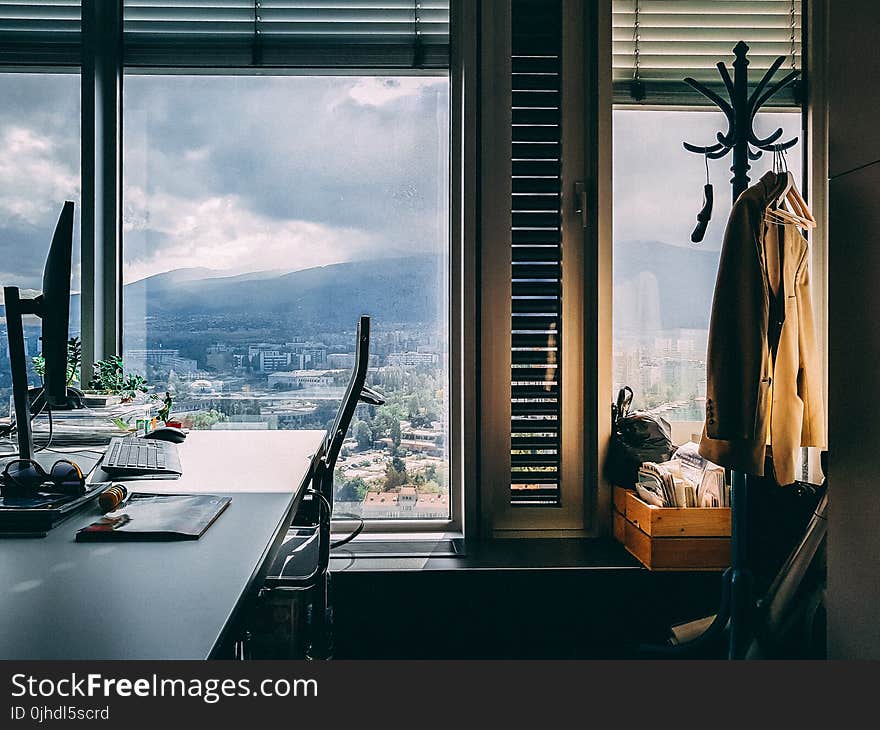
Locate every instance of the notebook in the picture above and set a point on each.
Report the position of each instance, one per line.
(157, 517)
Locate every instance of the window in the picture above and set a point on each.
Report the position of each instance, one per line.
(663, 283)
(262, 216)
(268, 204)
(39, 170)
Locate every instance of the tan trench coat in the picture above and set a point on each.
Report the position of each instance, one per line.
(763, 376)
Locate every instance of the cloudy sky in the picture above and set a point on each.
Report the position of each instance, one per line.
(39, 168)
(658, 185)
(236, 173)
(246, 173)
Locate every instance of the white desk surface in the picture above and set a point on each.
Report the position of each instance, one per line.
(60, 599)
(238, 461)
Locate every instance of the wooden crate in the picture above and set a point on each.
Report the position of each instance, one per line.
(619, 526)
(672, 538)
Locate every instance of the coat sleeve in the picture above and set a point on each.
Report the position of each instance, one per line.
(737, 353)
(809, 383)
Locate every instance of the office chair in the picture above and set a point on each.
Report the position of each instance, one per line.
(301, 569)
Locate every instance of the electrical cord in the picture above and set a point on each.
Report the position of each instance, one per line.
(351, 536)
(348, 538)
(49, 440)
(7, 431)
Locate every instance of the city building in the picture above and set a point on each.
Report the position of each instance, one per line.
(302, 378)
(410, 359)
(270, 361)
(162, 359)
(408, 503)
(340, 360)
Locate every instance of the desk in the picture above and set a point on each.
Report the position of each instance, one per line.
(60, 599)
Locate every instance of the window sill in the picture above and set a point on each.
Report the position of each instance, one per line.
(538, 554)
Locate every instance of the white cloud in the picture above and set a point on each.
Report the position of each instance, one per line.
(376, 90)
(221, 232)
(33, 183)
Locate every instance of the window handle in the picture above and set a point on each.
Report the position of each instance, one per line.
(580, 202)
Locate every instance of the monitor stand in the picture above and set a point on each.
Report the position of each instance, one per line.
(16, 308)
(26, 401)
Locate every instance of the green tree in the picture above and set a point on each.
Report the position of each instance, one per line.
(354, 490)
(394, 477)
(206, 419)
(364, 435)
(395, 433)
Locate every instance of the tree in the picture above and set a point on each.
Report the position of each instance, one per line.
(395, 433)
(354, 490)
(364, 435)
(394, 477)
(206, 419)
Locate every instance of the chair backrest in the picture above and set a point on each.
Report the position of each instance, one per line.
(328, 452)
(324, 461)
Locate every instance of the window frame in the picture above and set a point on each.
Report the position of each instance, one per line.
(102, 290)
(578, 455)
(814, 181)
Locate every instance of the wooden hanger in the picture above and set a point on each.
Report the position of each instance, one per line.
(789, 206)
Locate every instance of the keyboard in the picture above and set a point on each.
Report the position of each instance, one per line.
(127, 456)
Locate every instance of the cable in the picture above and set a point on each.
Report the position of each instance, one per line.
(348, 538)
(99, 452)
(49, 441)
(8, 430)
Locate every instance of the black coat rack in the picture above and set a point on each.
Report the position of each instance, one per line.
(737, 594)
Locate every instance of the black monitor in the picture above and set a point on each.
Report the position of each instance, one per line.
(53, 307)
(56, 310)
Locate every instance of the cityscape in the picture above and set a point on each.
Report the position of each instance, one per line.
(263, 351)
(223, 375)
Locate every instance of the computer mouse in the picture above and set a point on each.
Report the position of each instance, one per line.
(167, 433)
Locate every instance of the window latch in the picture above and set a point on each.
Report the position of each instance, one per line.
(580, 202)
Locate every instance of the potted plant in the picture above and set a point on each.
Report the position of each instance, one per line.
(74, 361)
(110, 384)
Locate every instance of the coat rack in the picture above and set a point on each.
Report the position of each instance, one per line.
(737, 594)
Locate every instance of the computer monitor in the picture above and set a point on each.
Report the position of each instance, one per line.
(53, 307)
(56, 310)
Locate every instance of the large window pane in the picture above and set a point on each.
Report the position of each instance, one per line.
(39, 170)
(262, 216)
(663, 283)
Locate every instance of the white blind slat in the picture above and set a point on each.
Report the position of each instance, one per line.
(308, 33)
(45, 33)
(678, 38)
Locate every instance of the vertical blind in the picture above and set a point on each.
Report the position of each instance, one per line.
(45, 33)
(536, 243)
(659, 42)
(304, 33)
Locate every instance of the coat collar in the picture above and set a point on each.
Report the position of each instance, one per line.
(770, 184)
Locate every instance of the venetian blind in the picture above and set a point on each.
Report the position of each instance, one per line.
(299, 33)
(536, 241)
(659, 42)
(45, 33)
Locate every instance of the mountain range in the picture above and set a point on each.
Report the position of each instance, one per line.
(398, 290)
(656, 285)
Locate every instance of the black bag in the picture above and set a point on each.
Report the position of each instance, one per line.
(635, 438)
